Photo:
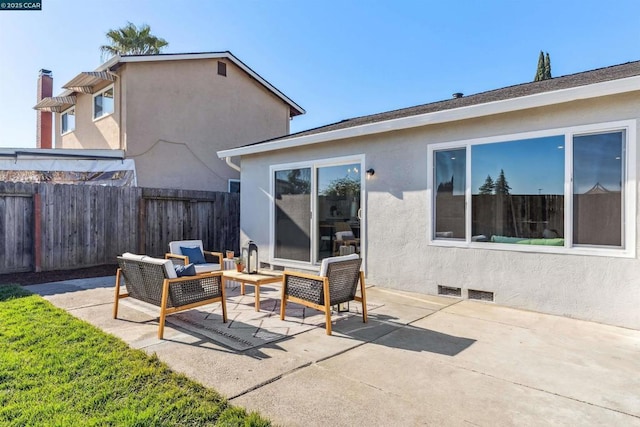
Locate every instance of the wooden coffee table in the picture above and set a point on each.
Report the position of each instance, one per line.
(261, 278)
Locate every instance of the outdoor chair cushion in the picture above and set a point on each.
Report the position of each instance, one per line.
(185, 270)
(175, 247)
(166, 263)
(325, 262)
(194, 253)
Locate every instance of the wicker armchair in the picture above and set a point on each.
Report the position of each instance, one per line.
(337, 283)
(154, 281)
(213, 260)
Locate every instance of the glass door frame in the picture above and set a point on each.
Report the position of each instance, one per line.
(314, 165)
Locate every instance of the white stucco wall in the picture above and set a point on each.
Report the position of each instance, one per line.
(397, 250)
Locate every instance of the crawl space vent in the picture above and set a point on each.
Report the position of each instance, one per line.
(449, 291)
(480, 295)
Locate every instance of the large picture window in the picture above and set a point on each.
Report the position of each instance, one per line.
(517, 191)
(564, 191)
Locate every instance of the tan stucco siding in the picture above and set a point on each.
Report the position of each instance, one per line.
(180, 113)
(102, 133)
(397, 209)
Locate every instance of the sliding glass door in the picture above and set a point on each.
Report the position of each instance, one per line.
(337, 219)
(292, 197)
(317, 210)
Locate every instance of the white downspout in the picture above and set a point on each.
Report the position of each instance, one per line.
(231, 164)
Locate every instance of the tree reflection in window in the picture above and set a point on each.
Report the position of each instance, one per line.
(526, 199)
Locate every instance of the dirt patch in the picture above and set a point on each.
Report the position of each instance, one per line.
(32, 278)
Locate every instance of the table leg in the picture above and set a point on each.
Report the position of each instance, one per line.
(257, 297)
(241, 288)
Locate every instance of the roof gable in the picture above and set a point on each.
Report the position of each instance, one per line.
(85, 81)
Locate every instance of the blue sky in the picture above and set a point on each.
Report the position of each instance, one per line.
(337, 59)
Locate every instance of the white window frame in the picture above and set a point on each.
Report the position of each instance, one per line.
(314, 165)
(629, 190)
(62, 131)
(93, 102)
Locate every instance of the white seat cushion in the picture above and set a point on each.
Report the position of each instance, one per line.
(205, 268)
(129, 255)
(325, 262)
(169, 270)
(174, 247)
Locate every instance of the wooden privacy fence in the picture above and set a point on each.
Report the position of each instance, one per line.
(56, 227)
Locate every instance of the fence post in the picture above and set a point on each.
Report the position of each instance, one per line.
(142, 225)
(37, 232)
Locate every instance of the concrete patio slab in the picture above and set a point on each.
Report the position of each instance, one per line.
(420, 360)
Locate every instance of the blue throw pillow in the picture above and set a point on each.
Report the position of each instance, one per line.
(194, 253)
(185, 270)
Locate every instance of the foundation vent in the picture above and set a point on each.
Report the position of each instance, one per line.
(480, 295)
(449, 291)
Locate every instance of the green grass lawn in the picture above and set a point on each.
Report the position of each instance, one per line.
(58, 370)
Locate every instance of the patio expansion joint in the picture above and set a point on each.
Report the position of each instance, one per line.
(595, 405)
(269, 381)
(80, 307)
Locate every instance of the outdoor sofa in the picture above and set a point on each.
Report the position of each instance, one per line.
(155, 281)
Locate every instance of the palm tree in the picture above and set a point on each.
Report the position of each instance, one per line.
(130, 40)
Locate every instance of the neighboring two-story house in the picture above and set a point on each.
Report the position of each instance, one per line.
(170, 113)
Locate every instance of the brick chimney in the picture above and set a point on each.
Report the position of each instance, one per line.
(44, 118)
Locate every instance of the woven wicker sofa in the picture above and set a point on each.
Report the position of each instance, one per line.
(336, 283)
(154, 281)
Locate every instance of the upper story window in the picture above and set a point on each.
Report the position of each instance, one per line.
(68, 120)
(566, 191)
(103, 103)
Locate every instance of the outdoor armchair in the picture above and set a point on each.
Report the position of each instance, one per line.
(154, 281)
(336, 283)
(183, 252)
